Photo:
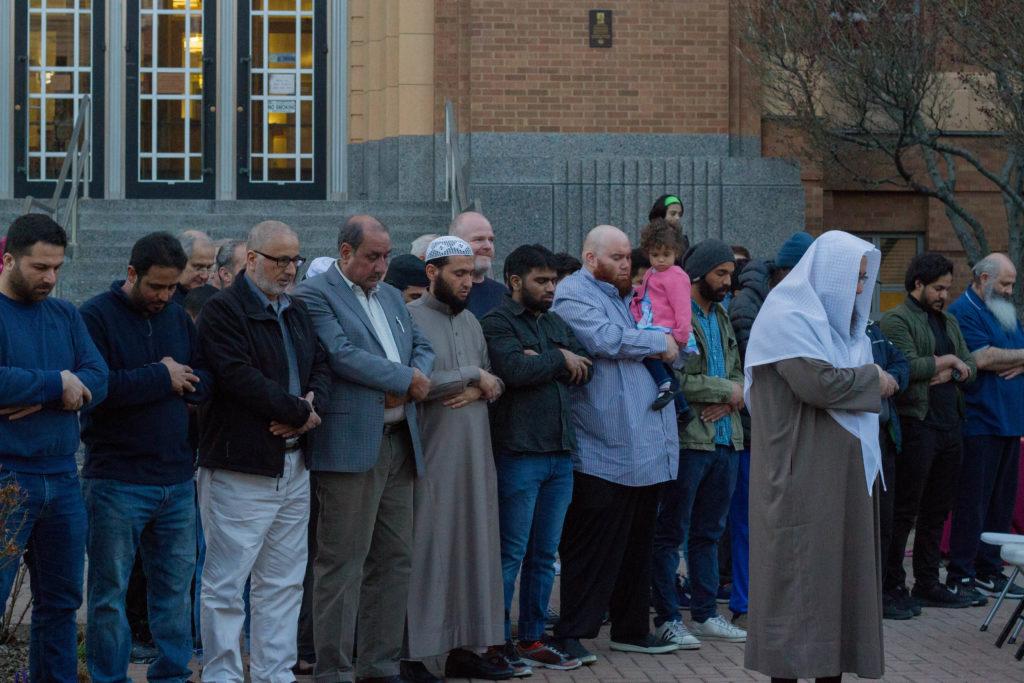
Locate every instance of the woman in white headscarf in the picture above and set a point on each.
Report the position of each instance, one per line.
(814, 396)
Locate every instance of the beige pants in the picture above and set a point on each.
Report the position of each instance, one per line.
(363, 564)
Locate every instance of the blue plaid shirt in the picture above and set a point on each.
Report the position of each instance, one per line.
(716, 364)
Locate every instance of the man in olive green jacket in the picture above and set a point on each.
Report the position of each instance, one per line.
(696, 503)
(931, 409)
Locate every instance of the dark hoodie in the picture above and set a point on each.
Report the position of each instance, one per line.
(139, 434)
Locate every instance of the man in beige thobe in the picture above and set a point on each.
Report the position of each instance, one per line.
(455, 598)
(814, 395)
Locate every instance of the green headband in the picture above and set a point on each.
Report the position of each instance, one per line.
(672, 200)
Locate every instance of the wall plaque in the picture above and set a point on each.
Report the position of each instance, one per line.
(600, 28)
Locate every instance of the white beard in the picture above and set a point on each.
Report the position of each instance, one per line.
(1003, 310)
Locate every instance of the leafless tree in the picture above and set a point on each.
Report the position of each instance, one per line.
(869, 88)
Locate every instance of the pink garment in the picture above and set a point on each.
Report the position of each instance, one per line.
(669, 294)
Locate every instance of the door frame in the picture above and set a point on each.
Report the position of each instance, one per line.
(181, 189)
(97, 80)
(317, 189)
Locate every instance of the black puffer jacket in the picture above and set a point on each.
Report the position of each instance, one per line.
(755, 282)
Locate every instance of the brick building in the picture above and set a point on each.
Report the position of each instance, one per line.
(344, 100)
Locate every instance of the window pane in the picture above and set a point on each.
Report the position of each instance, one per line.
(170, 132)
(256, 168)
(170, 168)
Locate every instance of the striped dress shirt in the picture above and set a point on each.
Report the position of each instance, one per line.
(619, 438)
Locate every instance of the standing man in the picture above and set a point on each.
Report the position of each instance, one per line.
(624, 451)
(408, 275)
(991, 433)
(365, 456)
(476, 231)
(696, 503)
(930, 409)
(271, 384)
(201, 258)
(49, 368)
(538, 358)
(455, 595)
(139, 462)
(228, 263)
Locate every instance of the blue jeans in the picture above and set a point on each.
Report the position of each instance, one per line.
(53, 534)
(739, 535)
(697, 502)
(160, 520)
(533, 495)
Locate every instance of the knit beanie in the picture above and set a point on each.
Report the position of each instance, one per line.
(702, 257)
(407, 270)
(793, 249)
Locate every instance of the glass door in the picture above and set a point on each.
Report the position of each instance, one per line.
(282, 99)
(170, 98)
(56, 45)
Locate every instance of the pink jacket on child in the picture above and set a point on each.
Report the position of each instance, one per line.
(669, 294)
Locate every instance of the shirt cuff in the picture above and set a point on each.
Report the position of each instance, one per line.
(53, 386)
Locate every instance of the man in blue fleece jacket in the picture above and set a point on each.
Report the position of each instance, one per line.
(49, 368)
(139, 463)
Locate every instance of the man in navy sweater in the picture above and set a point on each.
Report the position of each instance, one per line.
(138, 464)
(49, 368)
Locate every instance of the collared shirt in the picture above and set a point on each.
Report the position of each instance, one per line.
(533, 415)
(619, 438)
(375, 312)
(277, 309)
(994, 406)
(715, 364)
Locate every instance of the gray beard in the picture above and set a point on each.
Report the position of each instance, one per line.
(1003, 310)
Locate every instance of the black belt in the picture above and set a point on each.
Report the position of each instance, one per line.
(394, 427)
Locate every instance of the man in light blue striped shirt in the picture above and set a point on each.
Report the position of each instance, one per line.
(624, 452)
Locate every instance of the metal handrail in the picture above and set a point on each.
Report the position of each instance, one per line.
(455, 180)
(77, 162)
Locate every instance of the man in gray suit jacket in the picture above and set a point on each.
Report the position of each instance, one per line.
(365, 457)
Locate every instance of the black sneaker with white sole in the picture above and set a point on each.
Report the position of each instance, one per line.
(965, 587)
(993, 584)
(940, 596)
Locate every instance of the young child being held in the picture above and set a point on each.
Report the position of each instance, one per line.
(662, 303)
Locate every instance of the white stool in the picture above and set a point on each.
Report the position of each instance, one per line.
(1014, 554)
(993, 538)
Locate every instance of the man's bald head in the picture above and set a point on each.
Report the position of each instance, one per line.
(606, 254)
(602, 238)
(201, 257)
(475, 229)
(264, 232)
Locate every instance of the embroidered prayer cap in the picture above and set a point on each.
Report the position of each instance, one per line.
(319, 265)
(448, 245)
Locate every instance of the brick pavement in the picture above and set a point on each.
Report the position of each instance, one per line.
(939, 646)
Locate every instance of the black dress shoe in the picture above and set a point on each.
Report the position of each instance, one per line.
(381, 679)
(416, 672)
(465, 664)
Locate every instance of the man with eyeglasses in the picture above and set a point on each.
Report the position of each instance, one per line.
(365, 457)
(270, 386)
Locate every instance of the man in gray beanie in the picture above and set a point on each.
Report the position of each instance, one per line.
(698, 499)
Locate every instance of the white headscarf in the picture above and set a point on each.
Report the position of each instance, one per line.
(813, 313)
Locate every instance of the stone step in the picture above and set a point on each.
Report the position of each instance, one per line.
(108, 228)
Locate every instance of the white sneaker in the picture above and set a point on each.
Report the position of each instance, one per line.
(717, 628)
(676, 632)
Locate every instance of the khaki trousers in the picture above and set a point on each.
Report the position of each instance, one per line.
(363, 564)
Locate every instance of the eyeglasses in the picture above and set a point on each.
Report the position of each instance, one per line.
(283, 261)
(863, 278)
